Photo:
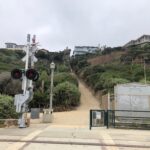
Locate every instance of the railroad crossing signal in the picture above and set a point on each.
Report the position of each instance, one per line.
(31, 74)
(16, 74)
(28, 74)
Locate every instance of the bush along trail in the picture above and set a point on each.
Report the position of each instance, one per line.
(80, 116)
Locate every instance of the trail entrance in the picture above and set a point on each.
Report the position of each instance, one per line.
(80, 116)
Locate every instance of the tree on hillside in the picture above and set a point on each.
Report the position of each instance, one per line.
(43, 78)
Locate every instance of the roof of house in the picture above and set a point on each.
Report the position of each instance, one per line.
(10, 43)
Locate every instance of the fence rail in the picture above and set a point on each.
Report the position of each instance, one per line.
(120, 119)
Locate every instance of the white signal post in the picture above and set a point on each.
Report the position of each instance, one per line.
(26, 63)
(22, 100)
(52, 67)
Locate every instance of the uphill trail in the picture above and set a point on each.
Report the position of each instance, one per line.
(80, 116)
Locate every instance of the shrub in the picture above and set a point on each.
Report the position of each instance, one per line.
(41, 55)
(7, 108)
(66, 94)
(62, 77)
(9, 86)
(63, 68)
(40, 99)
(143, 81)
(111, 82)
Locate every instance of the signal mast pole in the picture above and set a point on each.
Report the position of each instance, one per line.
(24, 82)
(27, 86)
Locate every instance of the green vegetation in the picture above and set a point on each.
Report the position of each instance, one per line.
(10, 59)
(137, 54)
(61, 96)
(7, 109)
(127, 68)
(63, 68)
(65, 84)
(66, 94)
(63, 76)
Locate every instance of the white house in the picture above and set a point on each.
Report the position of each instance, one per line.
(140, 41)
(81, 50)
(14, 46)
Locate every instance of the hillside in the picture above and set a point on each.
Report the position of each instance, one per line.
(108, 58)
(134, 55)
(10, 59)
(114, 66)
(65, 84)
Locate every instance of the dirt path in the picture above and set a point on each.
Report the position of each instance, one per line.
(88, 101)
(80, 116)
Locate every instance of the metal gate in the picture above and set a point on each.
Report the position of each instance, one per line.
(98, 118)
(120, 119)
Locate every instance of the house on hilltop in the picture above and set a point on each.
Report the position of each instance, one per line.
(43, 50)
(14, 46)
(140, 41)
(81, 50)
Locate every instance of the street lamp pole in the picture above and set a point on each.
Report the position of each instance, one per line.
(52, 67)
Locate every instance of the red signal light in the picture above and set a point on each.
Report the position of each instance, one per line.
(32, 74)
(16, 74)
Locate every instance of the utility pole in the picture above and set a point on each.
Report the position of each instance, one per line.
(52, 67)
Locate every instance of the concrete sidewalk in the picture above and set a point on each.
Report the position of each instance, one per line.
(56, 137)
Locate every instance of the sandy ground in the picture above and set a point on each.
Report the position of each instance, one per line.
(80, 116)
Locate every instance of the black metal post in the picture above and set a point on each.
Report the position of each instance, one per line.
(107, 118)
(114, 119)
(90, 120)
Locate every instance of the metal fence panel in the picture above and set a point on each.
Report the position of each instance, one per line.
(126, 120)
(120, 119)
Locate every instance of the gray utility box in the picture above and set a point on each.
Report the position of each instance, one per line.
(48, 116)
(35, 113)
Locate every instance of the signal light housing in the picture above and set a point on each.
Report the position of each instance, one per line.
(32, 74)
(16, 74)
(36, 77)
